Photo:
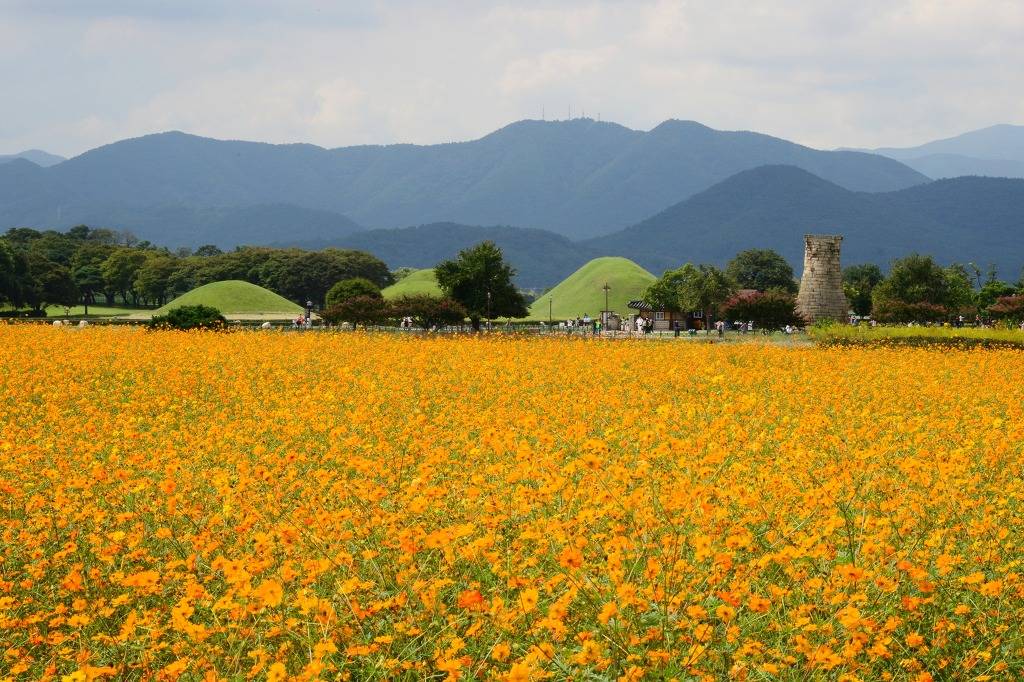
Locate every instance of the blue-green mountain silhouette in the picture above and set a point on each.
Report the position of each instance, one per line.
(578, 178)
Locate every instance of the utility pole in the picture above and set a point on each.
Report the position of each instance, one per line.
(606, 311)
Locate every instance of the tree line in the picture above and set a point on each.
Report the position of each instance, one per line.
(477, 284)
(918, 289)
(85, 266)
(759, 285)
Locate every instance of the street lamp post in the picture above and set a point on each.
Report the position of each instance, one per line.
(604, 319)
(309, 312)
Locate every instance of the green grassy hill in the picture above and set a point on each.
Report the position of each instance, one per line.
(582, 291)
(235, 297)
(419, 282)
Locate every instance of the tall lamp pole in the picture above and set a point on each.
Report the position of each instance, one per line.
(606, 311)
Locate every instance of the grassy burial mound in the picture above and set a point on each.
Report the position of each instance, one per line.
(237, 300)
(582, 292)
(418, 282)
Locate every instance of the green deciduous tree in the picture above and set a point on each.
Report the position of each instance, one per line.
(300, 275)
(153, 279)
(9, 289)
(86, 268)
(692, 287)
(480, 280)
(762, 269)
(914, 279)
(89, 280)
(663, 293)
(919, 281)
(859, 281)
(47, 283)
(59, 287)
(351, 288)
(960, 294)
(207, 250)
(120, 270)
(991, 291)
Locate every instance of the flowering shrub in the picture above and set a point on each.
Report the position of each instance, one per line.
(1008, 308)
(505, 508)
(766, 309)
(900, 312)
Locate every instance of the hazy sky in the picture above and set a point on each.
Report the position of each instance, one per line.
(78, 73)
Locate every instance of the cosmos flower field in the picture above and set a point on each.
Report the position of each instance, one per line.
(348, 506)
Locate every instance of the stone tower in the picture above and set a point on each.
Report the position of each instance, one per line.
(821, 286)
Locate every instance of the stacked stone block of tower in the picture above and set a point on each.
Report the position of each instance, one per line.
(821, 285)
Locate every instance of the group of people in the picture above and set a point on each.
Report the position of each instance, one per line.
(584, 323)
(960, 322)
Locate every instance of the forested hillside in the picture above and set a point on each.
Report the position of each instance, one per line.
(578, 178)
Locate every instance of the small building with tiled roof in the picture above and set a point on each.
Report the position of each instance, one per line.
(665, 320)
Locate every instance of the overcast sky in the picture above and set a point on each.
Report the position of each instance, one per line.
(76, 74)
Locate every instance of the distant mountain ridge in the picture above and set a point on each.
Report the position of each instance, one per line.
(970, 218)
(36, 156)
(540, 257)
(995, 151)
(579, 178)
(978, 219)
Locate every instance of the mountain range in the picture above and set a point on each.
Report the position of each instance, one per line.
(956, 220)
(579, 178)
(539, 256)
(553, 195)
(36, 156)
(996, 151)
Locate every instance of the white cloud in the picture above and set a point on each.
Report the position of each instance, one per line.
(554, 67)
(861, 73)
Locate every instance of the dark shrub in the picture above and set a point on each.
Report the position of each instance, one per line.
(348, 289)
(1008, 308)
(190, 317)
(429, 311)
(768, 310)
(892, 310)
(363, 310)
